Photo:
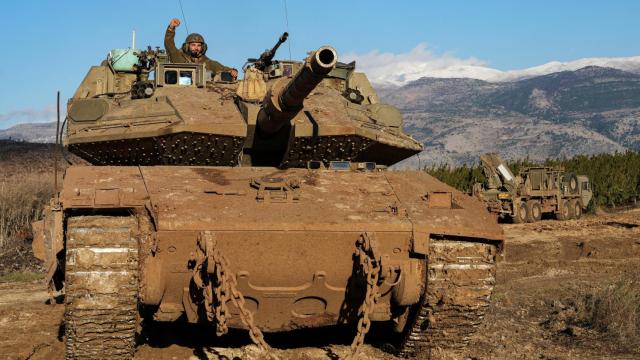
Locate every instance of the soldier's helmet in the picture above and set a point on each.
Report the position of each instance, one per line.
(194, 38)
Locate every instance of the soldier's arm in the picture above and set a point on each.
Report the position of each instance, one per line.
(215, 66)
(170, 45)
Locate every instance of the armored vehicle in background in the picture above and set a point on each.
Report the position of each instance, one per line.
(535, 191)
(262, 204)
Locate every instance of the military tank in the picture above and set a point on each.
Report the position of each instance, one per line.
(260, 204)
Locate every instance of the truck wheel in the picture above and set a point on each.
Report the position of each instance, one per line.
(564, 211)
(576, 209)
(572, 182)
(534, 211)
(521, 214)
(101, 285)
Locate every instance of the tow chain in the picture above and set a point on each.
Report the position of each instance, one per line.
(221, 287)
(370, 267)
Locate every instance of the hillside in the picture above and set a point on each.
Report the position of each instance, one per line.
(31, 132)
(587, 111)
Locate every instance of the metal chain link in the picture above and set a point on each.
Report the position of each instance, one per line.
(217, 291)
(370, 266)
(227, 287)
(222, 295)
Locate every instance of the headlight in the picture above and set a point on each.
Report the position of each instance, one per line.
(504, 195)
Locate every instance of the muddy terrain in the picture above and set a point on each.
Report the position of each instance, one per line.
(549, 269)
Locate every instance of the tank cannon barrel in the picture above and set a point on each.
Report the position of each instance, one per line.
(285, 99)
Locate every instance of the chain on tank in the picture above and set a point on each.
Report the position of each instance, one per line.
(370, 267)
(220, 285)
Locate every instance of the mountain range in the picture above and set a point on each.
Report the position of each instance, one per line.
(31, 132)
(586, 111)
(399, 69)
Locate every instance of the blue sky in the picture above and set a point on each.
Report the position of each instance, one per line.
(49, 45)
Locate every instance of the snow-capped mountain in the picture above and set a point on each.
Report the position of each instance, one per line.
(390, 69)
(587, 111)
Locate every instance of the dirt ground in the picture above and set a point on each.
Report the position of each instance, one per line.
(546, 265)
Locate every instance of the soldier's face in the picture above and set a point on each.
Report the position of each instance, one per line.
(195, 48)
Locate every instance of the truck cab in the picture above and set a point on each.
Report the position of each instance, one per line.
(585, 190)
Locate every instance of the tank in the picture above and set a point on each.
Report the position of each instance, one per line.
(262, 204)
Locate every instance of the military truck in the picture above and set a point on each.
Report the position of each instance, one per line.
(533, 192)
(262, 204)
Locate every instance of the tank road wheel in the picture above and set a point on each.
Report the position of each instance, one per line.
(460, 280)
(534, 211)
(575, 209)
(564, 212)
(101, 287)
(521, 214)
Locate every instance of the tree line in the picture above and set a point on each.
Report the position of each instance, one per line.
(615, 178)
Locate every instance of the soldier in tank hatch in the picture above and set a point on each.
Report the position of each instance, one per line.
(193, 50)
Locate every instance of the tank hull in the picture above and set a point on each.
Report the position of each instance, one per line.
(291, 247)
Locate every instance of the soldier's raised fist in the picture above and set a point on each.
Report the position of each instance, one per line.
(174, 23)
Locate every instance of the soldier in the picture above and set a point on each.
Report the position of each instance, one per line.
(192, 50)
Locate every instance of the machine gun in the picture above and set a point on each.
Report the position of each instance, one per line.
(147, 59)
(266, 57)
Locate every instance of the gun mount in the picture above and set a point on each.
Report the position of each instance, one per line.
(266, 58)
(284, 100)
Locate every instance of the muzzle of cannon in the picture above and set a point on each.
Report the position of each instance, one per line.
(285, 99)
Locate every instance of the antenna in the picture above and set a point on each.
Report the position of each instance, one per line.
(286, 21)
(55, 151)
(184, 19)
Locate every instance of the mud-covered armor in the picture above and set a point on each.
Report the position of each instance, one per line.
(263, 204)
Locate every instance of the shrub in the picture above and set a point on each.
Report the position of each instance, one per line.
(615, 310)
(22, 198)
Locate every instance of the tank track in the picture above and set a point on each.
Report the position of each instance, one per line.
(460, 280)
(101, 287)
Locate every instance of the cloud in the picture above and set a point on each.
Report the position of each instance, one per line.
(401, 68)
(30, 115)
(398, 69)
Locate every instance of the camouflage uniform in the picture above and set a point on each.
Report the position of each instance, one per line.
(178, 56)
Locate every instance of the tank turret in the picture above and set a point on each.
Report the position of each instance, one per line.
(285, 99)
(283, 113)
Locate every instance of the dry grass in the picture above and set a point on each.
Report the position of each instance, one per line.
(22, 198)
(26, 185)
(608, 315)
(21, 276)
(615, 310)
